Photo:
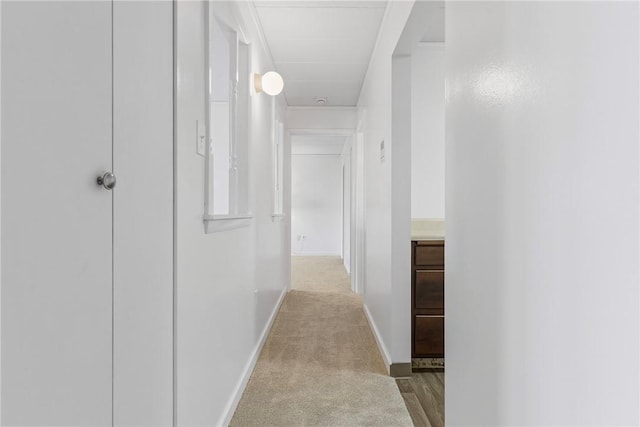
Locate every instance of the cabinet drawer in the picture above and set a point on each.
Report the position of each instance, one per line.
(429, 336)
(429, 255)
(429, 291)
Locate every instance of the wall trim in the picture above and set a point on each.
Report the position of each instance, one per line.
(232, 404)
(379, 340)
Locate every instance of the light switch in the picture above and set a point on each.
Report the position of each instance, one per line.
(201, 136)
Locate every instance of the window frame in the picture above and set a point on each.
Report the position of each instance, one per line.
(240, 214)
(277, 155)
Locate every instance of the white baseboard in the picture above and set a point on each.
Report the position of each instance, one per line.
(379, 341)
(251, 364)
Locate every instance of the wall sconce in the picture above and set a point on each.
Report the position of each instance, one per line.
(270, 83)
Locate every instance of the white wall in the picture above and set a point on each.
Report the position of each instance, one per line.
(401, 120)
(427, 131)
(542, 213)
(383, 301)
(321, 118)
(316, 204)
(228, 283)
(325, 124)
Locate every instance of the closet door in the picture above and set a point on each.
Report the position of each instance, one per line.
(56, 301)
(143, 213)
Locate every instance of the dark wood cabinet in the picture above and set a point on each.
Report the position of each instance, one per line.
(429, 336)
(427, 295)
(429, 254)
(429, 291)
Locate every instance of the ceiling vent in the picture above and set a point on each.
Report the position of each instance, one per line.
(320, 100)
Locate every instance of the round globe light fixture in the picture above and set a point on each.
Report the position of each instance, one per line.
(270, 83)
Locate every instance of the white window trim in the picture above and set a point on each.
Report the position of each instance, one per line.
(217, 223)
(277, 165)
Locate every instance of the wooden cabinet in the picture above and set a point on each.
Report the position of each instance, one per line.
(429, 291)
(428, 254)
(427, 298)
(428, 340)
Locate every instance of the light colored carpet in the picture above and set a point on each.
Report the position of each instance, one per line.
(320, 365)
(319, 274)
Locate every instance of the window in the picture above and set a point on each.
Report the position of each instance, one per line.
(227, 127)
(278, 165)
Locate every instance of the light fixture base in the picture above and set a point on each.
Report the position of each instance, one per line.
(257, 82)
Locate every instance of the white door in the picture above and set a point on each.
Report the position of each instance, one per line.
(56, 221)
(87, 289)
(143, 213)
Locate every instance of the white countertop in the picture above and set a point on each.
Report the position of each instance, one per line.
(427, 229)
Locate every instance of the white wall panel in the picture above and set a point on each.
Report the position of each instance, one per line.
(400, 157)
(427, 131)
(316, 204)
(317, 144)
(542, 213)
(228, 283)
(375, 101)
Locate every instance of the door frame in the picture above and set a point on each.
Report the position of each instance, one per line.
(351, 134)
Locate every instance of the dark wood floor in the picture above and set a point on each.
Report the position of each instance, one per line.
(423, 394)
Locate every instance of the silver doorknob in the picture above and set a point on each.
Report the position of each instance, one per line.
(108, 180)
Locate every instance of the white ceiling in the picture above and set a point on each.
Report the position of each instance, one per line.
(321, 48)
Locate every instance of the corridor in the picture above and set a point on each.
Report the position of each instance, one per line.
(320, 364)
(455, 180)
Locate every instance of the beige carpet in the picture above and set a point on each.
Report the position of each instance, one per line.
(320, 365)
(319, 274)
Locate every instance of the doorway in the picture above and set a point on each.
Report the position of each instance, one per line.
(321, 202)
